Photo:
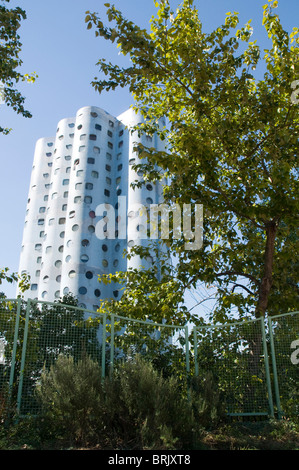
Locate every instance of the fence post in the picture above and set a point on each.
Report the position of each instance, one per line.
(104, 345)
(14, 349)
(274, 368)
(112, 346)
(196, 371)
(187, 360)
(20, 389)
(267, 369)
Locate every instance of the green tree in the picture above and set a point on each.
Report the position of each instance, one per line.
(155, 293)
(23, 279)
(232, 143)
(10, 61)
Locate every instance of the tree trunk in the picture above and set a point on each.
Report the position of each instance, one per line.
(256, 342)
(266, 282)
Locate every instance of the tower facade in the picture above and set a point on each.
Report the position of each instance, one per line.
(82, 212)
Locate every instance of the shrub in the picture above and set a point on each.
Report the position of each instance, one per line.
(147, 410)
(136, 408)
(207, 403)
(71, 396)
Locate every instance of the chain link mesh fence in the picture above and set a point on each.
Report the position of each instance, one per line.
(9, 350)
(166, 346)
(247, 360)
(236, 356)
(284, 344)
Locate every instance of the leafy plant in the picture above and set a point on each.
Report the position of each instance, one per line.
(10, 47)
(231, 144)
(71, 394)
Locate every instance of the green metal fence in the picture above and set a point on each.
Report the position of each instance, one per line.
(35, 333)
(284, 354)
(236, 354)
(254, 364)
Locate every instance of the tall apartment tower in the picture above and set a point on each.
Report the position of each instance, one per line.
(82, 212)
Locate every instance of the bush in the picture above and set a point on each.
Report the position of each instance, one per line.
(137, 408)
(207, 403)
(146, 410)
(71, 396)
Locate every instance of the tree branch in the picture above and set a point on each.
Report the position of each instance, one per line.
(243, 287)
(236, 273)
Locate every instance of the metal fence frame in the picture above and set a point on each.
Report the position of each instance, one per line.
(266, 328)
(260, 322)
(273, 354)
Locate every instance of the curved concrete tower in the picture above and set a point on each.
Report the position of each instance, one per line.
(82, 212)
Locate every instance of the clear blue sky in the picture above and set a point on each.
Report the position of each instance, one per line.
(59, 48)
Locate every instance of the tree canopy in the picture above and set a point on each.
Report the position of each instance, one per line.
(232, 143)
(10, 61)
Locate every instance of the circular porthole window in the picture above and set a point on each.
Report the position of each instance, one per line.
(85, 242)
(84, 258)
(82, 290)
(72, 274)
(89, 275)
(97, 292)
(105, 263)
